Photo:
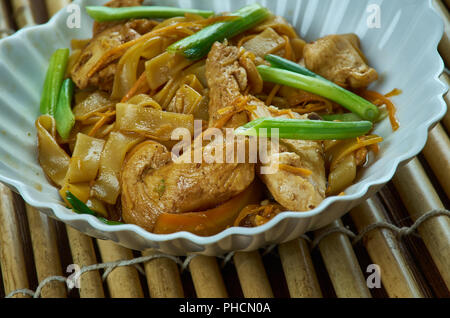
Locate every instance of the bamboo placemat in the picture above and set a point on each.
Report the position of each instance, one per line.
(332, 262)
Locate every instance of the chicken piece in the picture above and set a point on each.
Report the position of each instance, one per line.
(339, 59)
(294, 192)
(98, 46)
(226, 80)
(152, 184)
(102, 26)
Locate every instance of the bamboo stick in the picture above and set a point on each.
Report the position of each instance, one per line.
(5, 25)
(252, 275)
(23, 14)
(83, 254)
(42, 229)
(385, 251)
(447, 3)
(163, 277)
(12, 260)
(208, 281)
(342, 265)
(81, 246)
(446, 120)
(437, 154)
(45, 250)
(444, 45)
(123, 282)
(419, 197)
(299, 269)
(53, 6)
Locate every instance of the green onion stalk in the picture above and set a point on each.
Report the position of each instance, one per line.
(107, 14)
(321, 87)
(198, 45)
(302, 129)
(53, 81)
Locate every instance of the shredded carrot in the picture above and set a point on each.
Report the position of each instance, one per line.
(281, 112)
(295, 170)
(272, 94)
(141, 86)
(394, 92)
(379, 100)
(228, 113)
(218, 19)
(310, 108)
(103, 120)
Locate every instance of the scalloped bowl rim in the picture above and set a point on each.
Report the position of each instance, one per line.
(60, 212)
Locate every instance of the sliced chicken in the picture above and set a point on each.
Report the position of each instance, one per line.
(152, 184)
(293, 191)
(339, 59)
(98, 46)
(227, 79)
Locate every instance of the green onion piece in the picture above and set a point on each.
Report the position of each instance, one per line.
(79, 207)
(53, 81)
(341, 117)
(324, 88)
(353, 117)
(106, 14)
(301, 129)
(279, 62)
(199, 44)
(65, 119)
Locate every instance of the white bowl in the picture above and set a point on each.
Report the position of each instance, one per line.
(403, 50)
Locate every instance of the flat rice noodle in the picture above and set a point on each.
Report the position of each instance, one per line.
(186, 101)
(265, 43)
(193, 82)
(52, 158)
(202, 111)
(342, 175)
(199, 70)
(95, 102)
(151, 123)
(79, 44)
(162, 68)
(298, 45)
(278, 24)
(107, 185)
(80, 190)
(143, 100)
(85, 160)
(166, 94)
(97, 206)
(170, 21)
(127, 68)
(341, 149)
(73, 58)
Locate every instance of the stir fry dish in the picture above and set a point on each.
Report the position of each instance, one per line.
(125, 114)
